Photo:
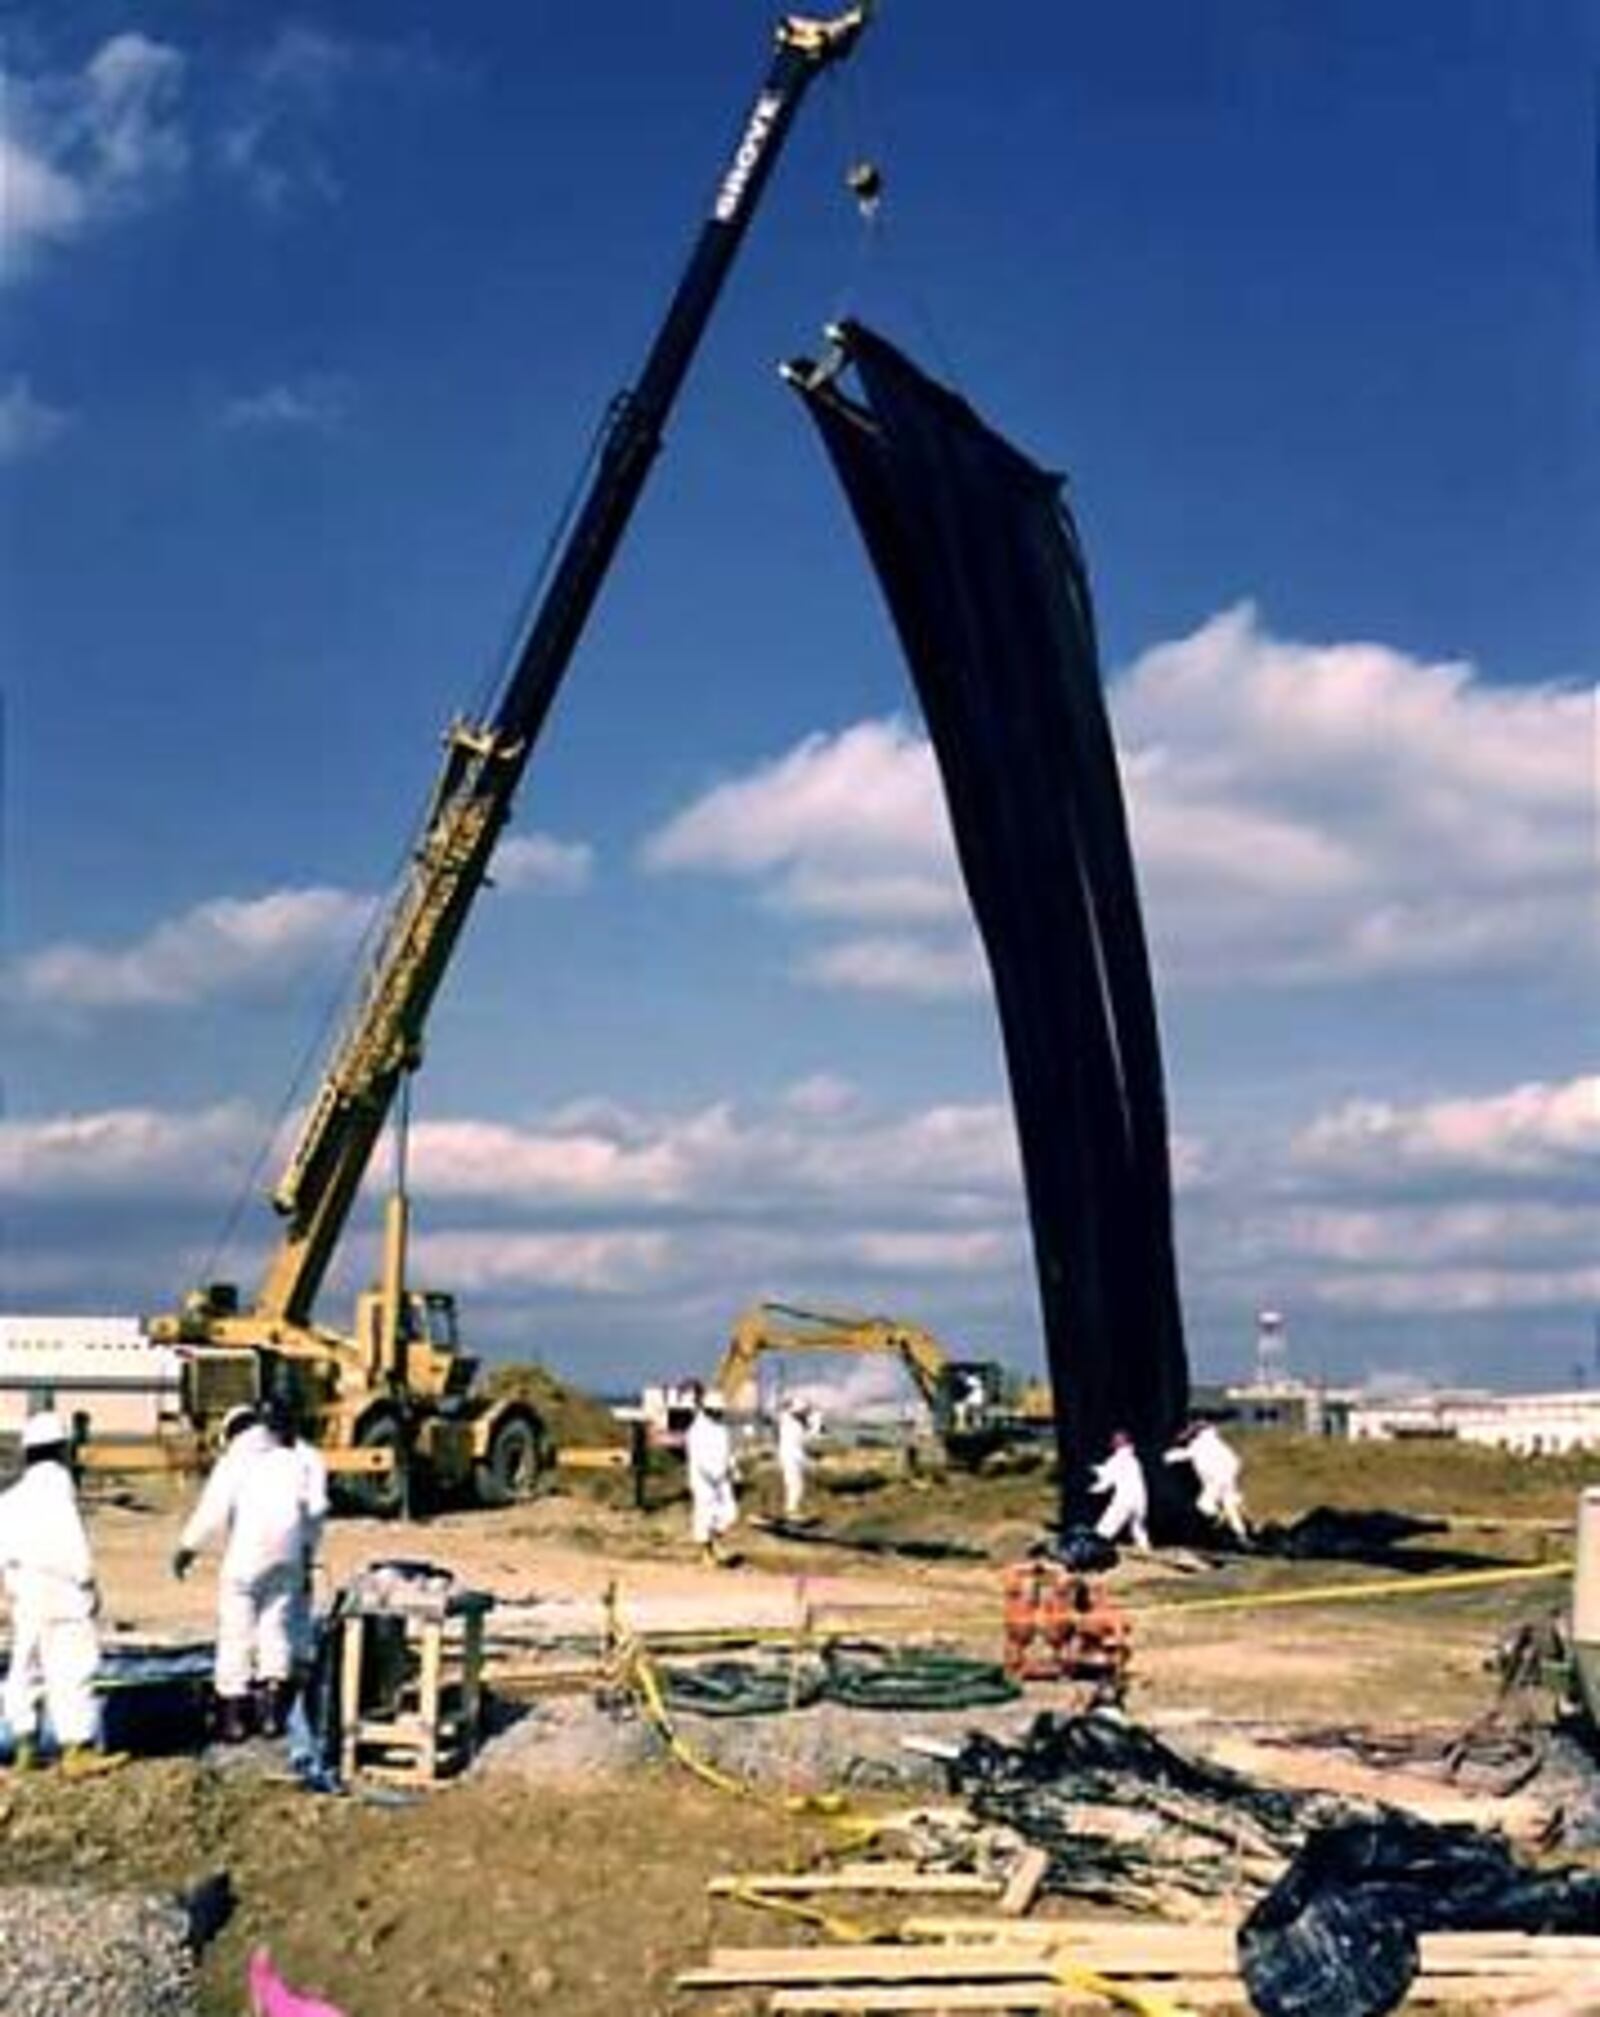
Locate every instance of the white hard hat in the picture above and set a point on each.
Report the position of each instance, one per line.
(44, 1430)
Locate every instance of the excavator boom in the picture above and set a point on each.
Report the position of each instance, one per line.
(976, 1406)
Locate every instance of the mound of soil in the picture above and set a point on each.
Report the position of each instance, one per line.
(574, 1418)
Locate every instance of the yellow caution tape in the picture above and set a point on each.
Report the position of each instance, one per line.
(857, 1932)
(1349, 1593)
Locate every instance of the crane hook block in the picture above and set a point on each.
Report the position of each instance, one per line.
(864, 180)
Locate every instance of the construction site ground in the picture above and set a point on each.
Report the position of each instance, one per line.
(567, 1871)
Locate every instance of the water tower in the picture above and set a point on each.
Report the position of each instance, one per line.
(1272, 1349)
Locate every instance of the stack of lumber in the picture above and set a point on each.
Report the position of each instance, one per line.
(1014, 1964)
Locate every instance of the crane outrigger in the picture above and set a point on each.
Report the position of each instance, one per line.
(397, 1397)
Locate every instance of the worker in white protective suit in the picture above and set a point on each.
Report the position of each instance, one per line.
(708, 1452)
(1216, 1470)
(266, 1507)
(1128, 1507)
(796, 1427)
(49, 1579)
(314, 1500)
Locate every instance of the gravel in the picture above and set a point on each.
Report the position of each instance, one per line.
(825, 1747)
(70, 1951)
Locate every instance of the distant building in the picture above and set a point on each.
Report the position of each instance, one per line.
(104, 1368)
(1531, 1424)
(1294, 1407)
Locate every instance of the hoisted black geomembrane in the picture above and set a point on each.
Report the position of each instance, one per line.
(980, 563)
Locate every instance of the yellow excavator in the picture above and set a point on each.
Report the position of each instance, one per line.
(978, 1406)
(395, 1402)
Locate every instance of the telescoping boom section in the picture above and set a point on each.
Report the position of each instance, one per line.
(382, 1039)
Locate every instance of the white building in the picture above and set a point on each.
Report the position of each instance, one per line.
(103, 1367)
(1530, 1424)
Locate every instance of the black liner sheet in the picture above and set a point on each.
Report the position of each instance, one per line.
(981, 565)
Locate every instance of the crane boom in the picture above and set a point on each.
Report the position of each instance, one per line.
(484, 760)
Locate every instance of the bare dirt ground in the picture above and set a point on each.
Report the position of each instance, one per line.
(571, 1877)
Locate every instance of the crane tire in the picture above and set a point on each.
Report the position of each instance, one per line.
(516, 1461)
(380, 1495)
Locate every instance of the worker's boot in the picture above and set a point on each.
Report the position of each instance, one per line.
(272, 1708)
(87, 1761)
(232, 1719)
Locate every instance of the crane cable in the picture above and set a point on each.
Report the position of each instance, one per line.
(865, 140)
(345, 985)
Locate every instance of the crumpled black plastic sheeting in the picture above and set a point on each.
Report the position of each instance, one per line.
(1336, 1936)
(1336, 1534)
(985, 578)
(1080, 1549)
(1097, 1756)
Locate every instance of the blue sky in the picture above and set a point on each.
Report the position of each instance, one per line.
(306, 319)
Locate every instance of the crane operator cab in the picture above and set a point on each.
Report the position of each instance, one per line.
(428, 1336)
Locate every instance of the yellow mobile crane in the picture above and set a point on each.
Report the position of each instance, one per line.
(977, 1405)
(396, 1399)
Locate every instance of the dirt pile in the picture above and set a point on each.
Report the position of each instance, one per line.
(574, 1418)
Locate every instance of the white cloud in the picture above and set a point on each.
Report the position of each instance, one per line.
(277, 137)
(315, 405)
(228, 945)
(82, 148)
(1438, 1235)
(1301, 813)
(822, 1094)
(244, 945)
(274, 142)
(539, 861)
(865, 800)
(38, 203)
(935, 1253)
(1537, 1130)
(1461, 1292)
(923, 968)
(488, 1160)
(27, 423)
(1343, 812)
(603, 1154)
(129, 1152)
(594, 1263)
(672, 1220)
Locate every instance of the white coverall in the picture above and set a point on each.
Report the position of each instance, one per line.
(708, 1451)
(266, 1500)
(794, 1459)
(49, 1577)
(1122, 1475)
(1216, 1469)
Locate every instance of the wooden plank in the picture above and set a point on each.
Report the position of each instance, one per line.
(750, 1967)
(1023, 1887)
(905, 1878)
(1146, 1939)
(1456, 1989)
(931, 1996)
(1214, 1993)
(1452, 1948)
(1453, 1951)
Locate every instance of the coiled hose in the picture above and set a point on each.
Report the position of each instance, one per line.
(860, 1674)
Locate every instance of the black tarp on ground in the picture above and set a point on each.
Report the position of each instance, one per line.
(981, 566)
(1336, 1936)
